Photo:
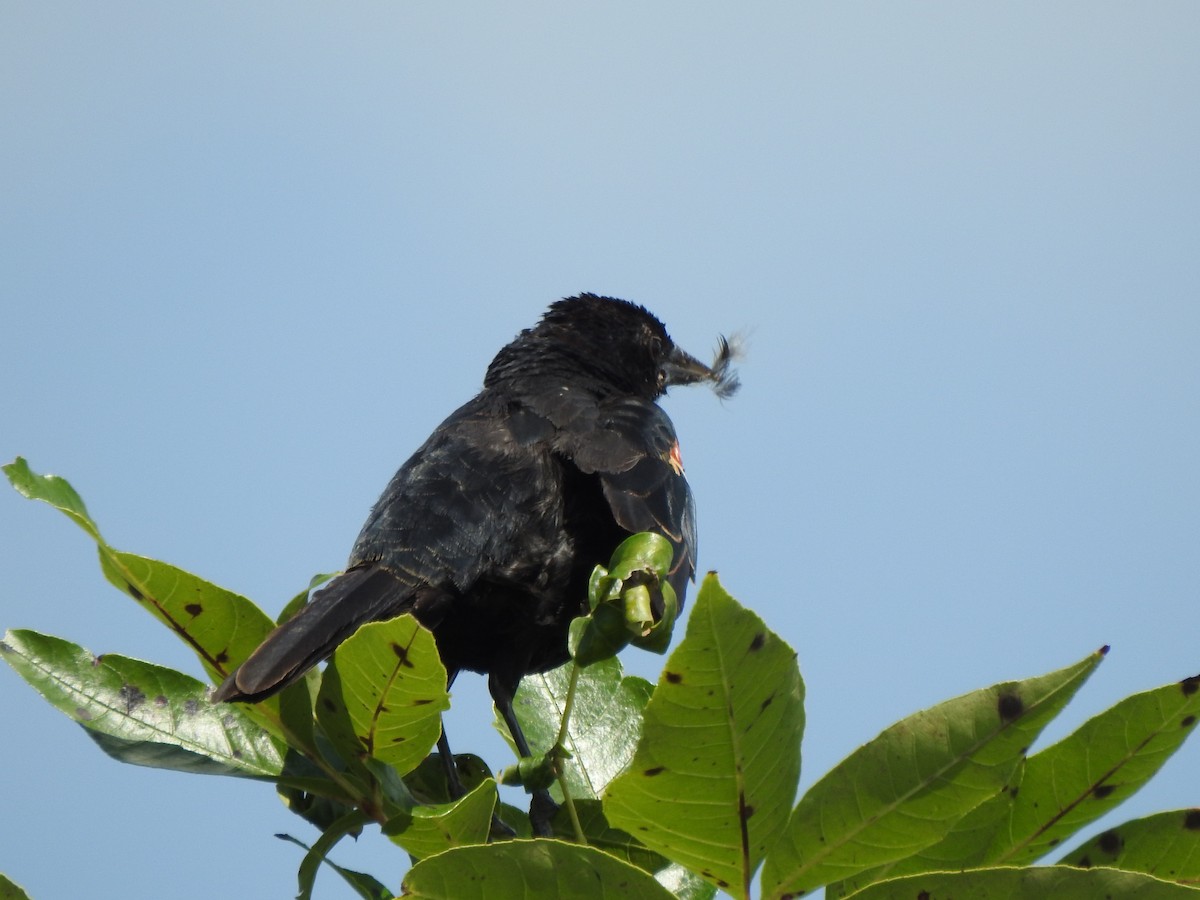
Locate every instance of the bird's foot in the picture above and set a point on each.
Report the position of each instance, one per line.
(541, 814)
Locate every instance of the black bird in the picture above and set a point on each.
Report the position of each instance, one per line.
(489, 532)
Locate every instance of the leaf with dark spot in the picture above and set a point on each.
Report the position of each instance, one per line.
(385, 681)
(1102, 790)
(193, 609)
(1190, 685)
(402, 655)
(925, 777)
(1191, 820)
(1109, 842)
(1154, 845)
(657, 770)
(166, 591)
(1010, 706)
(132, 696)
(143, 714)
(719, 745)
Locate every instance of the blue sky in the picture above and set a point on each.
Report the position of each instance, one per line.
(249, 257)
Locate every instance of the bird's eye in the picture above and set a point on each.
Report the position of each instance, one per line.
(656, 345)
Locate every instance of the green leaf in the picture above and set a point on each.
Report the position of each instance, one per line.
(643, 552)
(366, 886)
(1091, 771)
(221, 627)
(719, 759)
(630, 602)
(604, 728)
(599, 635)
(383, 693)
(11, 891)
(311, 800)
(351, 823)
(685, 884)
(1044, 883)
(905, 790)
(615, 842)
(537, 868)
(657, 637)
(1166, 845)
(1062, 788)
(53, 490)
(142, 713)
(428, 783)
(963, 847)
(429, 830)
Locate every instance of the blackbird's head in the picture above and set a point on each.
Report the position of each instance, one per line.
(622, 345)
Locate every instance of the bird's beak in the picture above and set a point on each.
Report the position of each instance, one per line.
(683, 368)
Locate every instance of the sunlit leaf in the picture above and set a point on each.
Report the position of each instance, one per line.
(1166, 845)
(11, 891)
(716, 770)
(142, 713)
(603, 733)
(904, 790)
(1065, 786)
(221, 627)
(385, 689)
(1091, 771)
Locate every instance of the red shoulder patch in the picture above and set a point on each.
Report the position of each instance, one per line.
(675, 459)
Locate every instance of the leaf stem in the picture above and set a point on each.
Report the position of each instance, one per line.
(559, 772)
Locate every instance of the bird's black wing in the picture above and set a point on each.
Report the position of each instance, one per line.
(361, 594)
(469, 502)
(632, 446)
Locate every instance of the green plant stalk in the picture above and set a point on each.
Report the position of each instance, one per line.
(556, 752)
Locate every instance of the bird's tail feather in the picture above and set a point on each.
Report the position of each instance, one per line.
(363, 594)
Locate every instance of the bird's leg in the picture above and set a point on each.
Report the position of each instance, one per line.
(541, 808)
(499, 828)
(450, 766)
